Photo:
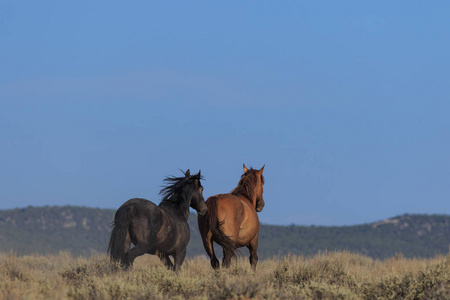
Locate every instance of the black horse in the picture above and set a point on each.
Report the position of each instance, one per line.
(162, 230)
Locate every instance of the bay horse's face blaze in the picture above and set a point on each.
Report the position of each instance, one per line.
(197, 200)
(260, 204)
(259, 194)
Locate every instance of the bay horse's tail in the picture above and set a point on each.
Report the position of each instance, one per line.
(214, 224)
(116, 247)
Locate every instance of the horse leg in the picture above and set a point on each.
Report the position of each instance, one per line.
(253, 247)
(166, 260)
(145, 232)
(209, 247)
(140, 249)
(178, 259)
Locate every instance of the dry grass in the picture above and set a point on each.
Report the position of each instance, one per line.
(339, 275)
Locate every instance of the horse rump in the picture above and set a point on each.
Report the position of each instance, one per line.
(214, 225)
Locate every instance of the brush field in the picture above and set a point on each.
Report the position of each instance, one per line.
(337, 275)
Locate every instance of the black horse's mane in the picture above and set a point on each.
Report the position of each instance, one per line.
(174, 187)
(247, 184)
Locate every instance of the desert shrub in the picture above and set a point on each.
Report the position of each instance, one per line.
(337, 275)
(431, 283)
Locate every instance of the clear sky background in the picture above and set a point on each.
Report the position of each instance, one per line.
(346, 103)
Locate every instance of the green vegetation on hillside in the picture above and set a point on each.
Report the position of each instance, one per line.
(410, 235)
(83, 231)
(49, 230)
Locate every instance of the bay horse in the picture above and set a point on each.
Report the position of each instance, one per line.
(232, 220)
(162, 230)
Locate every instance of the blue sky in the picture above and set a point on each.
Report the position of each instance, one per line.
(346, 103)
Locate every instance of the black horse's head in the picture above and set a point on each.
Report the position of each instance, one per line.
(185, 192)
(195, 190)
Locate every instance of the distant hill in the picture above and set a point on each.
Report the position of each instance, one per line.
(83, 230)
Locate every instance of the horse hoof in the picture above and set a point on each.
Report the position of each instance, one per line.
(215, 264)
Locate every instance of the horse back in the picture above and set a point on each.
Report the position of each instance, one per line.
(140, 208)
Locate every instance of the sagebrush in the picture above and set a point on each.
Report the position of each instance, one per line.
(337, 275)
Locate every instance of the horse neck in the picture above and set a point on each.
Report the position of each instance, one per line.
(246, 192)
(178, 207)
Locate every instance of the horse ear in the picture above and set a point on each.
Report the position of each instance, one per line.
(262, 169)
(188, 173)
(199, 173)
(245, 169)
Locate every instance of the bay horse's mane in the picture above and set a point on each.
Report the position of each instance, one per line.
(174, 186)
(247, 184)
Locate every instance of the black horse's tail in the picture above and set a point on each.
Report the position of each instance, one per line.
(116, 247)
(214, 224)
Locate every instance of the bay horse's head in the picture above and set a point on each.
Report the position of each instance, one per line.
(196, 191)
(253, 180)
